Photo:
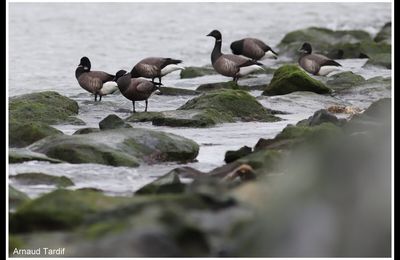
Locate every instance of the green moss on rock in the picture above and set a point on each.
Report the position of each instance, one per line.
(290, 78)
(113, 122)
(19, 155)
(36, 178)
(193, 72)
(168, 183)
(16, 197)
(344, 80)
(22, 134)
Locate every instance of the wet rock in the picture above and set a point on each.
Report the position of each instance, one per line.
(290, 78)
(113, 122)
(381, 59)
(41, 178)
(47, 107)
(86, 130)
(61, 209)
(322, 116)
(191, 118)
(143, 116)
(19, 155)
(168, 91)
(344, 80)
(16, 197)
(22, 134)
(119, 147)
(231, 156)
(168, 183)
(379, 109)
(237, 104)
(228, 85)
(322, 39)
(193, 72)
(385, 34)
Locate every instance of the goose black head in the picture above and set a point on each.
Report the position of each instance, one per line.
(306, 48)
(85, 63)
(119, 74)
(216, 34)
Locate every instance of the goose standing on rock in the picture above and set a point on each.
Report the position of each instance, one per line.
(98, 83)
(316, 64)
(135, 89)
(155, 67)
(230, 65)
(253, 48)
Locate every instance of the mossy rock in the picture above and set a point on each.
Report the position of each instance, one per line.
(263, 161)
(193, 72)
(19, 155)
(143, 116)
(344, 80)
(231, 156)
(47, 107)
(168, 183)
(192, 118)
(113, 122)
(36, 178)
(381, 60)
(237, 104)
(168, 91)
(16, 197)
(308, 132)
(119, 147)
(290, 78)
(385, 34)
(22, 134)
(61, 209)
(321, 116)
(228, 85)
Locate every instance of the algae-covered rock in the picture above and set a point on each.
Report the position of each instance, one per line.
(192, 72)
(168, 183)
(60, 209)
(86, 130)
(385, 34)
(22, 134)
(19, 155)
(290, 78)
(168, 91)
(47, 107)
(321, 116)
(37, 178)
(235, 103)
(16, 197)
(143, 116)
(119, 147)
(381, 59)
(344, 80)
(113, 122)
(192, 118)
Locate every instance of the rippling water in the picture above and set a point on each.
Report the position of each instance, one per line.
(46, 41)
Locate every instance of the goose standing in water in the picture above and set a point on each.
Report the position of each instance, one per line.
(98, 83)
(316, 64)
(155, 67)
(230, 65)
(135, 89)
(253, 48)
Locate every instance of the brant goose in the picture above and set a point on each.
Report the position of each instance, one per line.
(135, 89)
(252, 48)
(228, 64)
(98, 83)
(316, 64)
(155, 67)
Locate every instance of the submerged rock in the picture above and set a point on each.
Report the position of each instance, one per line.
(191, 118)
(231, 156)
(86, 130)
(168, 91)
(16, 197)
(41, 178)
(19, 155)
(119, 147)
(47, 107)
(113, 122)
(22, 134)
(228, 85)
(290, 78)
(193, 72)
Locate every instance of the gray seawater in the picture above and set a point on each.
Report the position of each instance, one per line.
(46, 41)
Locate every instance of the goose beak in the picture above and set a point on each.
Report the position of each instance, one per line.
(208, 34)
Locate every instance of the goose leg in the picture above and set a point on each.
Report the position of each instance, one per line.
(159, 80)
(133, 103)
(100, 97)
(152, 80)
(95, 97)
(145, 110)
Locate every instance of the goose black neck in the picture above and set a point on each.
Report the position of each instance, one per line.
(123, 82)
(216, 53)
(79, 71)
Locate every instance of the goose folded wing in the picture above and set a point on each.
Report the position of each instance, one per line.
(103, 76)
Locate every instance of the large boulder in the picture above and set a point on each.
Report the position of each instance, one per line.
(290, 78)
(22, 134)
(19, 155)
(47, 107)
(118, 147)
(113, 122)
